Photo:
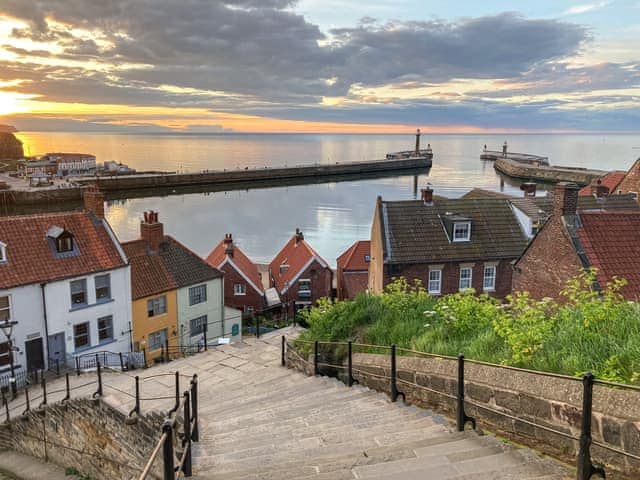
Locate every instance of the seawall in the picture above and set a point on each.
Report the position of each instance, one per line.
(548, 174)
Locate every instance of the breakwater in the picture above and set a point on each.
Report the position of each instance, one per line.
(546, 173)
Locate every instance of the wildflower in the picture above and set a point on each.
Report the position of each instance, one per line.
(427, 325)
(429, 313)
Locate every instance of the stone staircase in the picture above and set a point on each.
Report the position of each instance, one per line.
(261, 421)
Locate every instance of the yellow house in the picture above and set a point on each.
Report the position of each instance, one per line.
(162, 269)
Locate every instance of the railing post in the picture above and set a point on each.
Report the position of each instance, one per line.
(206, 347)
(6, 407)
(78, 366)
(257, 326)
(195, 433)
(166, 349)
(394, 376)
(26, 396)
(350, 364)
(462, 417)
(121, 363)
(316, 370)
(283, 360)
(98, 393)
(57, 367)
(68, 387)
(137, 407)
(167, 451)
(186, 441)
(144, 356)
(44, 391)
(586, 469)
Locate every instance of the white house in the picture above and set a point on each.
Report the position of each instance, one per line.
(65, 283)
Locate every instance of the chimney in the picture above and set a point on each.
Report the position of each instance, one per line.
(529, 189)
(94, 201)
(427, 195)
(565, 199)
(152, 230)
(299, 236)
(598, 189)
(228, 244)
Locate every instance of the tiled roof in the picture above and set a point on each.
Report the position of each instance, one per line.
(611, 180)
(542, 207)
(242, 263)
(415, 233)
(296, 256)
(31, 257)
(172, 266)
(611, 242)
(354, 257)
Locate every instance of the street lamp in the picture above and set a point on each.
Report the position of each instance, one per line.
(7, 329)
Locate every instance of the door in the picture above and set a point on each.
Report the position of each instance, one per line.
(35, 357)
(56, 349)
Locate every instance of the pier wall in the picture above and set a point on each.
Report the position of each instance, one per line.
(546, 174)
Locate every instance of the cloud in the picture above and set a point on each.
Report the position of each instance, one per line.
(584, 8)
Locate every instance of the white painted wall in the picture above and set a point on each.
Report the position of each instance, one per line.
(524, 220)
(233, 316)
(213, 308)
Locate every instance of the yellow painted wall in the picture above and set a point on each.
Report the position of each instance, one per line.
(143, 325)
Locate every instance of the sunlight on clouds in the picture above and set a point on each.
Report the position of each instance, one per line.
(11, 102)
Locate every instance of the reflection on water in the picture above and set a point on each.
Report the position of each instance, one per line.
(332, 215)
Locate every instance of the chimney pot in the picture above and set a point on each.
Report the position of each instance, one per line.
(151, 230)
(228, 244)
(299, 236)
(529, 189)
(427, 196)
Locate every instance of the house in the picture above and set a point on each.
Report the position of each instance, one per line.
(176, 294)
(575, 238)
(243, 288)
(448, 244)
(631, 181)
(605, 185)
(72, 163)
(65, 282)
(300, 275)
(26, 168)
(352, 272)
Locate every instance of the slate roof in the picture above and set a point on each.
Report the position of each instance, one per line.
(242, 263)
(611, 180)
(354, 258)
(611, 243)
(542, 207)
(31, 257)
(296, 255)
(172, 266)
(414, 232)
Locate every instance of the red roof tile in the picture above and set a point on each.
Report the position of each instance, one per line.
(31, 256)
(354, 257)
(611, 242)
(294, 254)
(611, 180)
(240, 261)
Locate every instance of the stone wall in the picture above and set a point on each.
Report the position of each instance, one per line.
(548, 401)
(89, 436)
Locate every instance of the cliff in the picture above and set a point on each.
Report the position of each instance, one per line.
(8, 128)
(10, 146)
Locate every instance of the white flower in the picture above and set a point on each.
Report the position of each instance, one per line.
(427, 325)
(445, 307)
(429, 313)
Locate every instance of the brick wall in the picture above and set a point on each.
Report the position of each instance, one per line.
(631, 181)
(321, 285)
(351, 283)
(252, 298)
(376, 265)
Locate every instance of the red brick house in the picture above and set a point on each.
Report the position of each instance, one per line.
(242, 282)
(573, 239)
(605, 185)
(631, 181)
(300, 275)
(352, 274)
(447, 244)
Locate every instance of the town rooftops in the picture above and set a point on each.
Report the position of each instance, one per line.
(159, 263)
(357, 257)
(484, 193)
(542, 207)
(415, 232)
(227, 252)
(609, 182)
(292, 260)
(33, 256)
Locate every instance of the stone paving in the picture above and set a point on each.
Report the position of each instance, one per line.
(261, 421)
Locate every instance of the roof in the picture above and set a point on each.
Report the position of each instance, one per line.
(415, 233)
(611, 243)
(172, 266)
(354, 258)
(242, 264)
(31, 256)
(611, 180)
(542, 207)
(483, 193)
(297, 255)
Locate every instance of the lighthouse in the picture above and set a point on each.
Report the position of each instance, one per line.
(417, 142)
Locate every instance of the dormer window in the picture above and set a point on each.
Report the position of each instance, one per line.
(64, 244)
(62, 240)
(462, 231)
(3, 252)
(284, 268)
(367, 258)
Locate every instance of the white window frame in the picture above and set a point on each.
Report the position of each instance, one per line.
(7, 308)
(239, 289)
(201, 324)
(492, 286)
(467, 226)
(108, 329)
(107, 287)
(460, 286)
(156, 303)
(75, 336)
(438, 290)
(160, 333)
(197, 294)
(306, 282)
(3, 252)
(85, 291)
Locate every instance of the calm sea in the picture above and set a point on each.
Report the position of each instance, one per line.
(332, 216)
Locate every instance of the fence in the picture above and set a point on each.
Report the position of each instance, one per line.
(546, 409)
(115, 360)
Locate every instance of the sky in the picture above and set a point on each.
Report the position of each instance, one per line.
(380, 66)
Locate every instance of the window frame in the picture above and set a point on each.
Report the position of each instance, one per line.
(306, 282)
(491, 288)
(202, 326)
(239, 291)
(7, 309)
(87, 335)
(3, 252)
(85, 292)
(460, 287)
(153, 312)
(109, 329)
(162, 340)
(108, 287)
(5, 355)
(197, 294)
(64, 243)
(467, 226)
(439, 280)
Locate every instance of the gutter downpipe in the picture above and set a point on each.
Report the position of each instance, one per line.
(46, 324)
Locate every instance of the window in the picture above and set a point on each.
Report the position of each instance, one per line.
(157, 340)
(3, 252)
(64, 243)
(489, 283)
(435, 281)
(367, 258)
(249, 309)
(103, 287)
(465, 278)
(81, 335)
(4, 354)
(239, 289)
(78, 292)
(198, 325)
(462, 232)
(197, 294)
(105, 329)
(304, 288)
(157, 306)
(284, 268)
(5, 309)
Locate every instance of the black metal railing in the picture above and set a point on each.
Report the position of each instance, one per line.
(122, 361)
(336, 359)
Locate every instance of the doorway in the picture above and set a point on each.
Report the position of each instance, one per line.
(35, 357)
